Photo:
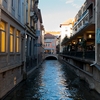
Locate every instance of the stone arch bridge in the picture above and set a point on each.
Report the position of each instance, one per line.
(51, 56)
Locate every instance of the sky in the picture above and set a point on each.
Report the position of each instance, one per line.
(55, 12)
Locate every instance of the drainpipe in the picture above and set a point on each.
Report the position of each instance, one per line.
(97, 27)
(93, 63)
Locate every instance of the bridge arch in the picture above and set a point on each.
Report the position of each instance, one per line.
(51, 57)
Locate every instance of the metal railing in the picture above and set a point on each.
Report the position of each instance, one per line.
(86, 55)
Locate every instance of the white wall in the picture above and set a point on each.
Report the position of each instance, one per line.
(66, 30)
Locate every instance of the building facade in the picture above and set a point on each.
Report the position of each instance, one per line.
(66, 30)
(40, 34)
(18, 25)
(50, 44)
(11, 29)
(31, 37)
(84, 44)
(57, 37)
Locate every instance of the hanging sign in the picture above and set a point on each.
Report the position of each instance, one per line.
(98, 36)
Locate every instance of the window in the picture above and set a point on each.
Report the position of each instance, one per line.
(13, 7)
(30, 45)
(19, 7)
(26, 16)
(23, 11)
(66, 29)
(48, 44)
(5, 3)
(2, 37)
(12, 3)
(53, 44)
(11, 39)
(32, 4)
(17, 41)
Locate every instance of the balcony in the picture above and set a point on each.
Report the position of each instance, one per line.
(34, 16)
(81, 18)
(89, 2)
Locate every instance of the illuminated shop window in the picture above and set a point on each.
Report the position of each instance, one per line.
(2, 37)
(11, 39)
(17, 41)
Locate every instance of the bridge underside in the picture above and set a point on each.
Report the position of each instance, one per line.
(51, 58)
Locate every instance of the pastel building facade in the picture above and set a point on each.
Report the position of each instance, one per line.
(50, 44)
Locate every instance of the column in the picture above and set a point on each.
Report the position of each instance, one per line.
(32, 45)
(29, 12)
(28, 45)
(97, 32)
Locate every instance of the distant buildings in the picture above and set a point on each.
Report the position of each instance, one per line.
(53, 38)
(66, 30)
(49, 44)
(55, 33)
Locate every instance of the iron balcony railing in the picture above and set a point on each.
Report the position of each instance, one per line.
(81, 17)
(86, 55)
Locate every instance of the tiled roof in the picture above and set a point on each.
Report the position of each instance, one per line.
(54, 32)
(69, 21)
(48, 35)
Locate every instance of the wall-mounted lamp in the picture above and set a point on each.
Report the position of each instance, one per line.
(74, 42)
(79, 40)
(90, 36)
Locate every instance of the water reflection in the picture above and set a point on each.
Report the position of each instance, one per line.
(53, 86)
(52, 81)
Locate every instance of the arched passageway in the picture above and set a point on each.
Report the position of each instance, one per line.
(51, 58)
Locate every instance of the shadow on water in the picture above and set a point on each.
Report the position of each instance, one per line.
(82, 87)
(52, 81)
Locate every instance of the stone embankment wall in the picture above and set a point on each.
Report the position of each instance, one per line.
(91, 74)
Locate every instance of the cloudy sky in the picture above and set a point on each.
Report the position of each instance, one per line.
(55, 12)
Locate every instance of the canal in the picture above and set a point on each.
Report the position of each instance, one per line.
(52, 81)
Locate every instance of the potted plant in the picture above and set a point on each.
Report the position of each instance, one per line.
(83, 45)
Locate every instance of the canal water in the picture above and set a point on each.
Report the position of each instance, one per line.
(52, 81)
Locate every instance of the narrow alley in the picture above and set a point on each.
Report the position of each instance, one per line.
(52, 81)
